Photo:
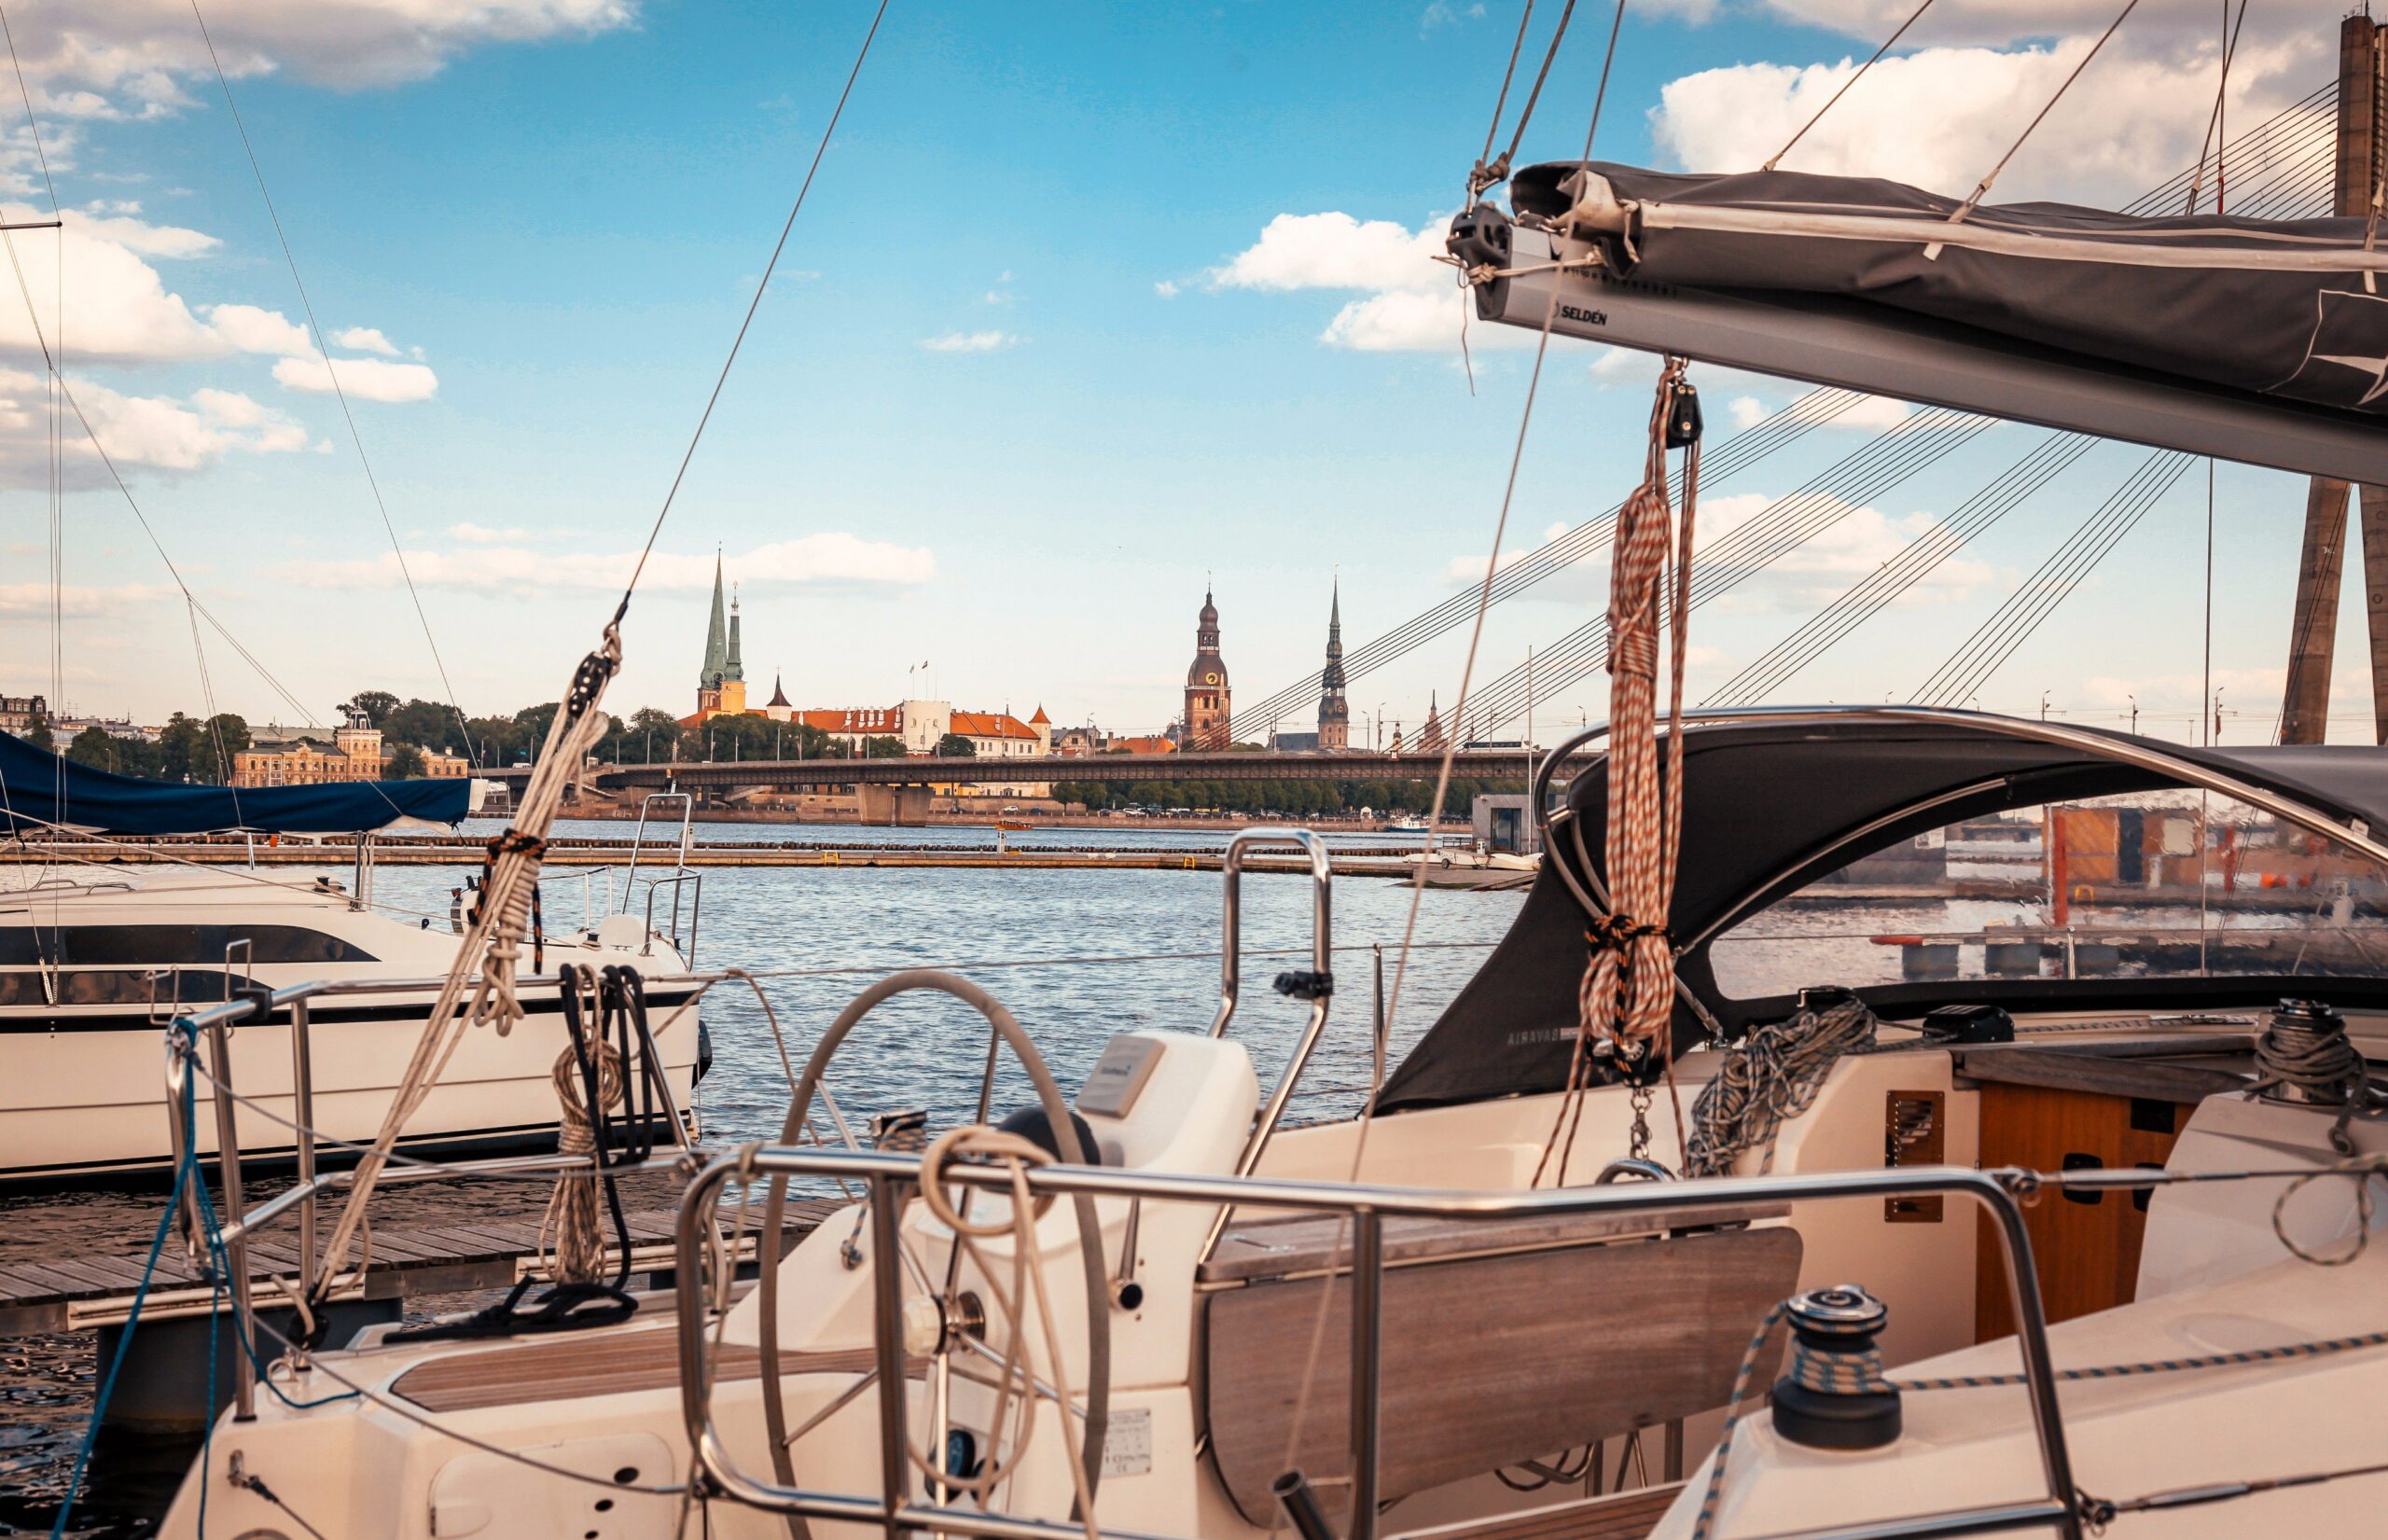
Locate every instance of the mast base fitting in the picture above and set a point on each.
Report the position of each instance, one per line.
(1834, 1331)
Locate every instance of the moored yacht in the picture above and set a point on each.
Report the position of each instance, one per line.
(94, 958)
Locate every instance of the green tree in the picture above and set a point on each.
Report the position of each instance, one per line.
(954, 746)
(406, 764)
(376, 705)
(884, 747)
(37, 731)
(94, 748)
(178, 748)
(220, 737)
(426, 724)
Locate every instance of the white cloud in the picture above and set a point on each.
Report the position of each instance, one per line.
(31, 601)
(116, 221)
(832, 557)
(365, 379)
(1166, 289)
(970, 341)
(1335, 251)
(1415, 304)
(481, 534)
(138, 432)
(254, 331)
(115, 59)
(1941, 116)
(366, 340)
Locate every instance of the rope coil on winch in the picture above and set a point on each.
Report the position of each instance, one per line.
(577, 1254)
(1627, 996)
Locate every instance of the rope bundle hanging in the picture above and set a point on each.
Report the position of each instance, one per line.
(1627, 996)
(571, 1223)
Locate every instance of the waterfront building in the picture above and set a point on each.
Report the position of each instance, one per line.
(355, 753)
(1334, 712)
(1431, 738)
(777, 707)
(1294, 742)
(1207, 696)
(1157, 743)
(19, 712)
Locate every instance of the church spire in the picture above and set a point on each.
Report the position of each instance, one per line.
(1334, 712)
(732, 667)
(717, 664)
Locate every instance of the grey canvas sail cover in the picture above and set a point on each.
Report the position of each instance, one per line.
(2276, 307)
(2263, 340)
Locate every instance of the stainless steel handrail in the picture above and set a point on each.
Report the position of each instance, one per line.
(1369, 1205)
(638, 838)
(1231, 871)
(1322, 958)
(677, 883)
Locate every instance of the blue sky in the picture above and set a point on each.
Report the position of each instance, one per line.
(1065, 328)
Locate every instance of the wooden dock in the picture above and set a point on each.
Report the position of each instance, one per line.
(82, 1293)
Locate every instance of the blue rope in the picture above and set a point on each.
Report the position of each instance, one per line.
(183, 1170)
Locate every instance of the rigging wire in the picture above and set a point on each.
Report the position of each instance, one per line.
(347, 413)
(2215, 122)
(762, 286)
(1983, 188)
(1887, 44)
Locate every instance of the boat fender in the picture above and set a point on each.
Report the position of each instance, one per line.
(1304, 984)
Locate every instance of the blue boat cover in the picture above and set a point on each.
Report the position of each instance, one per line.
(40, 790)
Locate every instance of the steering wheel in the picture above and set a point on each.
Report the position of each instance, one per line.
(1005, 1029)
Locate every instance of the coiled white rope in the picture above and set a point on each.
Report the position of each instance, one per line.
(1015, 1385)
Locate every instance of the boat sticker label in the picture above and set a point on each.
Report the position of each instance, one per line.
(1128, 1442)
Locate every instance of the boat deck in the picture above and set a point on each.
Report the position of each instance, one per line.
(567, 1368)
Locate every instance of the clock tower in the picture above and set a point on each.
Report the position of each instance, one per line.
(1206, 684)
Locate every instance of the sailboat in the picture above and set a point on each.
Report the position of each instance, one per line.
(99, 955)
(1641, 1239)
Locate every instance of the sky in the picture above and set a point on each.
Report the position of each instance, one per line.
(1088, 308)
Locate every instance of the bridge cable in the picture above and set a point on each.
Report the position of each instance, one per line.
(1885, 462)
(1922, 556)
(1996, 640)
(1745, 448)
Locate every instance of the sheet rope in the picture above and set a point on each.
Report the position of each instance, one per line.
(1627, 997)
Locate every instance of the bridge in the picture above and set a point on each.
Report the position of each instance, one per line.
(794, 774)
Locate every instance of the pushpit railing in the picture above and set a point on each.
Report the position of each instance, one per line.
(887, 1176)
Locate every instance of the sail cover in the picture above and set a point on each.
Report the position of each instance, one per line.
(40, 790)
(2256, 340)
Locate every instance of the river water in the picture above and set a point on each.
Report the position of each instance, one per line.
(1077, 955)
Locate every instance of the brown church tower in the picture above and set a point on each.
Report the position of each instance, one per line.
(1206, 684)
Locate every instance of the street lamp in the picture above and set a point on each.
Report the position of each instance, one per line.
(2134, 713)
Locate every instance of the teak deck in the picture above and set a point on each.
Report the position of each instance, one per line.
(79, 1293)
(1626, 1516)
(607, 1364)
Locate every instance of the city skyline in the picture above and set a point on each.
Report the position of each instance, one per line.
(1008, 451)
